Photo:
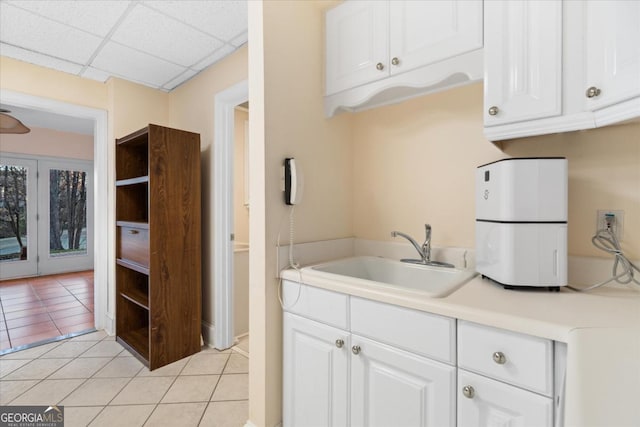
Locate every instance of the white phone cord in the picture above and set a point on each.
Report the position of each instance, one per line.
(292, 263)
(605, 240)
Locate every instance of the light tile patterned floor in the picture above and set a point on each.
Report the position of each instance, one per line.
(101, 384)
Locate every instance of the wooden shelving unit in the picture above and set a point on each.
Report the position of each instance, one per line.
(158, 283)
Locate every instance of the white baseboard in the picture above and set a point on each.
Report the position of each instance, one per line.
(208, 333)
(109, 324)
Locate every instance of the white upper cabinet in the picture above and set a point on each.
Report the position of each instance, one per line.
(557, 66)
(424, 32)
(612, 52)
(376, 46)
(357, 37)
(523, 60)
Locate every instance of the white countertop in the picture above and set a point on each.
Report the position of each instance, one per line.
(541, 313)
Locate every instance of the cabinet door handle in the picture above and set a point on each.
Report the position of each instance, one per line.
(499, 358)
(133, 231)
(592, 92)
(355, 349)
(380, 66)
(339, 343)
(395, 61)
(468, 391)
(493, 111)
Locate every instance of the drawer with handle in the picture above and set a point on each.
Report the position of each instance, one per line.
(133, 244)
(522, 360)
(485, 402)
(427, 334)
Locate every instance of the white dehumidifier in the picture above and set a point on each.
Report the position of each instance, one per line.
(521, 222)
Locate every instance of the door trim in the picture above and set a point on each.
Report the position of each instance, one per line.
(104, 232)
(223, 141)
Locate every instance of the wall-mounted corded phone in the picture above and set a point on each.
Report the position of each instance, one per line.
(293, 183)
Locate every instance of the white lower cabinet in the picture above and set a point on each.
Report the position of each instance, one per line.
(332, 377)
(343, 365)
(391, 387)
(486, 402)
(507, 378)
(315, 374)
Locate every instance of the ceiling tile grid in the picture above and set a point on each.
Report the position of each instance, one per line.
(157, 43)
(95, 16)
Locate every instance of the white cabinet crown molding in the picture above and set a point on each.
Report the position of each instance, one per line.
(469, 68)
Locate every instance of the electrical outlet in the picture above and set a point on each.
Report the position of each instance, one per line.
(613, 220)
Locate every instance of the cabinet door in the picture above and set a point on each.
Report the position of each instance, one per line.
(612, 51)
(424, 32)
(488, 403)
(391, 387)
(315, 373)
(357, 44)
(523, 60)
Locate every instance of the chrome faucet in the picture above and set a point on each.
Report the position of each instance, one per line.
(424, 250)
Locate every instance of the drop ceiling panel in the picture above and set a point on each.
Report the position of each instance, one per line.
(240, 40)
(221, 19)
(179, 80)
(157, 34)
(158, 43)
(215, 57)
(95, 74)
(136, 66)
(39, 59)
(95, 16)
(33, 32)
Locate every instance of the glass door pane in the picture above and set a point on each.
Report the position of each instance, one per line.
(67, 212)
(18, 233)
(13, 213)
(66, 220)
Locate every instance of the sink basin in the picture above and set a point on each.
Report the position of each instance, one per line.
(436, 282)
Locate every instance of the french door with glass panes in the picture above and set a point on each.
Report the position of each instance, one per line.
(46, 216)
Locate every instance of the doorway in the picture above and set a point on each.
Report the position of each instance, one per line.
(102, 214)
(223, 265)
(240, 209)
(46, 216)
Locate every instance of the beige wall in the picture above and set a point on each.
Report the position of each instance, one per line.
(129, 107)
(49, 142)
(240, 211)
(191, 107)
(287, 121)
(44, 82)
(414, 163)
(604, 173)
(133, 106)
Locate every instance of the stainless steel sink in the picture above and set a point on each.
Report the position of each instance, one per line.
(434, 281)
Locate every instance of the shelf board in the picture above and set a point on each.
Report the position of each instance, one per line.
(133, 224)
(133, 266)
(137, 342)
(132, 181)
(137, 297)
(135, 138)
